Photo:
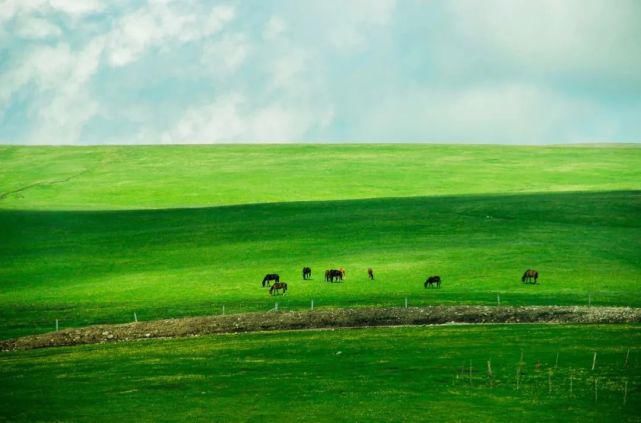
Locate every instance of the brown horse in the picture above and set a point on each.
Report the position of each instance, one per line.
(529, 276)
(370, 273)
(307, 272)
(278, 286)
(334, 275)
(270, 277)
(433, 280)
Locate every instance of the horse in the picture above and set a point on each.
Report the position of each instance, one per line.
(530, 275)
(433, 280)
(270, 277)
(307, 273)
(277, 287)
(370, 273)
(333, 274)
(342, 270)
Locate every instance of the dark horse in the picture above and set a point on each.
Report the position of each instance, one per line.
(334, 275)
(433, 280)
(370, 273)
(270, 277)
(529, 276)
(307, 272)
(277, 287)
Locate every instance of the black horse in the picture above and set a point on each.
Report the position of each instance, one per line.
(529, 276)
(307, 272)
(270, 277)
(334, 275)
(433, 280)
(278, 286)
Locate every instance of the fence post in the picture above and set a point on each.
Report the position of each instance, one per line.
(223, 309)
(556, 363)
(405, 302)
(276, 307)
(625, 363)
(498, 299)
(135, 317)
(312, 306)
(594, 360)
(56, 325)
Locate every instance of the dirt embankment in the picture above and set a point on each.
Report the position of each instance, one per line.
(328, 318)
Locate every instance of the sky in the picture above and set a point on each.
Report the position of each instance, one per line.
(263, 71)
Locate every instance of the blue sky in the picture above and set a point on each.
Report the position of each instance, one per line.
(182, 71)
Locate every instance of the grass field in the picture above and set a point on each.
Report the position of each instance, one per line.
(92, 235)
(408, 374)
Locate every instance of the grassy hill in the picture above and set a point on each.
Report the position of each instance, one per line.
(142, 177)
(92, 235)
(384, 374)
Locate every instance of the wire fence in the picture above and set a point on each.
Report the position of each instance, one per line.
(32, 321)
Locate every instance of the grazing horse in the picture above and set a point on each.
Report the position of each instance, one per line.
(433, 280)
(277, 287)
(307, 272)
(270, 277)
(370, 273)
(333, 275)
(529, 276)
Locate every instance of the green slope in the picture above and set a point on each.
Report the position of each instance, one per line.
(98, 178)
(431, 210)
(384, 374)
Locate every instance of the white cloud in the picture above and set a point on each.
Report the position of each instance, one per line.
(515, 113)
(37, 28)
(288, 70)
(554, 36)
(60, 74)
(226, 54)
(77, 7)
(11, 8)
(274, 28)
(231, 119)
(160, 23)
(74, 8)
(351, 21)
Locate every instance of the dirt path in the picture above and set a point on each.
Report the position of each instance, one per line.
(329, 318)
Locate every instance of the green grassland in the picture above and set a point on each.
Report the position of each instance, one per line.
(142, 177)
(91, 235)
(384, 374)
